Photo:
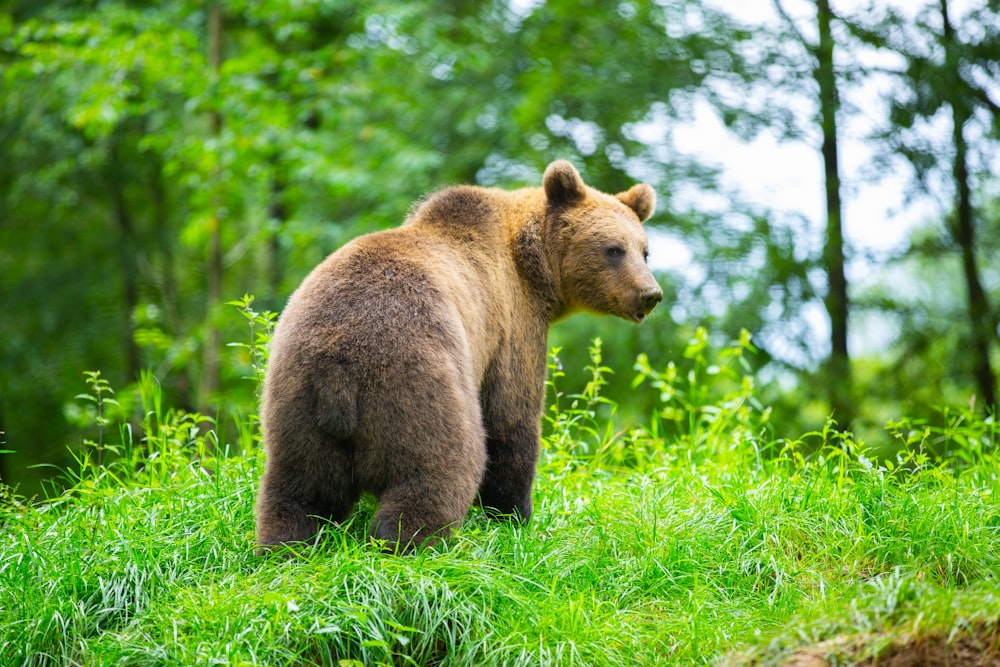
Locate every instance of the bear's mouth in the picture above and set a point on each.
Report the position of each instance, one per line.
(639, 316)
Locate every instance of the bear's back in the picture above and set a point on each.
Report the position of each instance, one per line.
(447, 264)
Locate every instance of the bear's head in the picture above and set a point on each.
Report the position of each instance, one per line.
(600, 245)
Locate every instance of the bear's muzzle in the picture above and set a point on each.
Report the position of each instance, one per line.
(647, 301)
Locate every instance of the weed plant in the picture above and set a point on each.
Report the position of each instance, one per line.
(698, 537)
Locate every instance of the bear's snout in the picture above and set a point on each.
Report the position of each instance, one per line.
(651, 297)
(647, 301)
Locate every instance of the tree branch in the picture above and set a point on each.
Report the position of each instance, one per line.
(791, 25)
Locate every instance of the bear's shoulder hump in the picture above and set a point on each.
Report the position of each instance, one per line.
(461, 205)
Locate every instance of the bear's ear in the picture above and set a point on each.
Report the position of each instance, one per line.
(563, 184)
(640, 198)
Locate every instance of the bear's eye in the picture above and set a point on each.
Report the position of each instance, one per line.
(615, 252)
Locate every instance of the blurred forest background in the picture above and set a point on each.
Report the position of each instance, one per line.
(162, 158)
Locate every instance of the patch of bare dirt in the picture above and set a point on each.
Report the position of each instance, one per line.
(977, 647)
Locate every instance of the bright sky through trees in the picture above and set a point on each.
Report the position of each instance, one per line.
(881, 209)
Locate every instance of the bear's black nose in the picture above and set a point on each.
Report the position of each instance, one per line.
(650, 298)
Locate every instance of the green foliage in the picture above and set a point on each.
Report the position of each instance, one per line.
(952, 434)
(261, 328)
(102, 398)
(645, 547)
(712, 404)
(323, 121)
(126, 151)
(576, 428)
(939, 80)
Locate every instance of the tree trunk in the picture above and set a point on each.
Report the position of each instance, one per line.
(277, 216)
(213, 336)
(127, 250)
(964, 232)
(838, 366)
(173, 313)
(159, 209)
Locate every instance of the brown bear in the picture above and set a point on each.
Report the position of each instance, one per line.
(411, 363)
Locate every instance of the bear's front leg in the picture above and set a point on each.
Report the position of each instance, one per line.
(511, 396)
(510, 472)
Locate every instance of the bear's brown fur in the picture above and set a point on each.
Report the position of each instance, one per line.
(411, 363)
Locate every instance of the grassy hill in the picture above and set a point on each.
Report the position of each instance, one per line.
(701, 537)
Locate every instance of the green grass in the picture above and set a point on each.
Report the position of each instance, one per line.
(701, 537)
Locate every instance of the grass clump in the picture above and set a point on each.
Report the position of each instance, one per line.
(696, 538)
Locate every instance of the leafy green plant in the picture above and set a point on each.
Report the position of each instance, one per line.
(102, 396)
(960, 434)
(261, 325)
(707, 407)
(584, 426)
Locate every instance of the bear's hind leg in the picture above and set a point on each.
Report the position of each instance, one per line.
(412, 515)
(430, 481)
(282, 521)
(297, 491)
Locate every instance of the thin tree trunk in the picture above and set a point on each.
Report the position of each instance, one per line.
(165, 247)
(277, 216)
(837, 304)
(127, 250)
(965, 234)
(213, 336)
(169, 291)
